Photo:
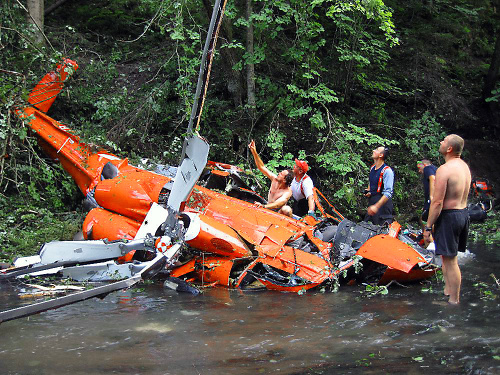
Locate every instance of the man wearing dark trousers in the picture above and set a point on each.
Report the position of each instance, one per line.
(448, 213)
(380, 189)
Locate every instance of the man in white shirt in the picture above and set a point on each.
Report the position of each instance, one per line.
(302, 190)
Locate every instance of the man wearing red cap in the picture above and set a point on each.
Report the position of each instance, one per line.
(302, 190)
(279, 192)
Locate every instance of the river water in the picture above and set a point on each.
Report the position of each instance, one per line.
(149, 330)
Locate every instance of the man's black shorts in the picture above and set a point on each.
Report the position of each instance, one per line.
(451, 231)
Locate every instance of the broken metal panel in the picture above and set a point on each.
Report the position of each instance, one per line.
(130, 194)
(305, 265)
(241, 277)
(214, 270)
(46, 91)
(415, 275)
(252, 222)
(215, 237)
(272, 285)
(394, 229)
(184, 269)
(390, 251)
(100, 223)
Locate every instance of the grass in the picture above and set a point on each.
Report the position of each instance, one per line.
(23, 229)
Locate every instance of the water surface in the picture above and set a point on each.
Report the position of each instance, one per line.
(150, 330)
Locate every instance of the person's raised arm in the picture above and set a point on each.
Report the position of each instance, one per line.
(259, 163)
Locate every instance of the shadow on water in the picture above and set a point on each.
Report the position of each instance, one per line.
(154, 331)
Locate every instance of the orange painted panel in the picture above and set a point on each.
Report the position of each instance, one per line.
(308, 266)
(294, 289)
(390, 251)
(414, 275)
(130, 194)
(215, 237)
(105, 224)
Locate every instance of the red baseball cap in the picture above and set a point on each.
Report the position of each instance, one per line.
(302, 165)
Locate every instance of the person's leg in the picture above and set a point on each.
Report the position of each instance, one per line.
(453, 278)
(443, 269)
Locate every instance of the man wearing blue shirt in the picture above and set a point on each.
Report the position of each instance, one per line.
(428, 170)
(380, 189)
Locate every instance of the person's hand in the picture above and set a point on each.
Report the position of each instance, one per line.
(251, 146)
(258, 204)
(427, 235)
(372, 210)
(367, 193)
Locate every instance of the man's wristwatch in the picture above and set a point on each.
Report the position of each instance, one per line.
(428, 229)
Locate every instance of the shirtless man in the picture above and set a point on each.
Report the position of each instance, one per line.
(280, 191)
(448, 213)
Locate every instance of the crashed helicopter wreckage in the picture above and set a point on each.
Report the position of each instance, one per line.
(231, 241)
(140, 222)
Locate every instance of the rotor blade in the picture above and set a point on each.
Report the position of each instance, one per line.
(190, 170)
(152, 269)
(36, 308)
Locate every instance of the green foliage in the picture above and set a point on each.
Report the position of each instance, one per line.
(487, 232)
(24, 228)
(422, 137)
(372, 290)
(486, 292)
(495, 96)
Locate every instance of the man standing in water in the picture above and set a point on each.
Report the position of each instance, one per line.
(428, 170)
(380, 189)
(448, 213)
(280, 191)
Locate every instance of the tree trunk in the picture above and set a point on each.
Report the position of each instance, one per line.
(250, 65)
(35, 17)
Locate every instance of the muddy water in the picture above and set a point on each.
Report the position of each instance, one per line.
(153, 331)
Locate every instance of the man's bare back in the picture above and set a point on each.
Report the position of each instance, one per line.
(448, 216)
(456, 175)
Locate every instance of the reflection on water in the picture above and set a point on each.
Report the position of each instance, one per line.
(155, 331)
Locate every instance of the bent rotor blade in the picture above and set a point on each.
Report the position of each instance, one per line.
(190, 170)
(154, 266)
(36, 308)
